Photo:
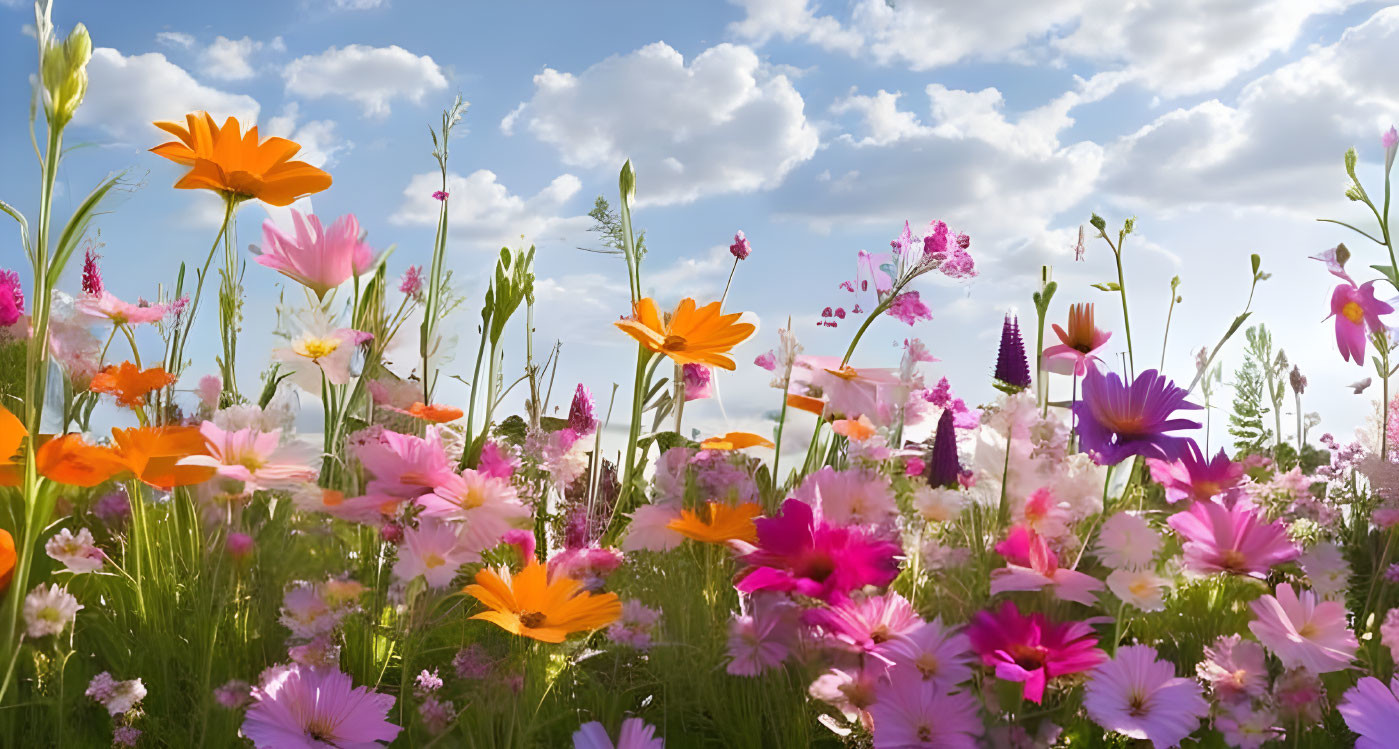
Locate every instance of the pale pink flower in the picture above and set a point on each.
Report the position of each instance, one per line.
(1389, 633)
(318, 351)
(233, 694)
(635, 734)
(1127, 541)
(910, 712)
(319, 259)
(849, 497)
(210, 388)
(1139, 588)
(434, 551)
(1245, 727)
(849, 690)
(764, 637)
(78, 552)
(637, 625)
(403, 466)
(649, 529)
(118, 697)
(1304, 632)
(588, 565)
(1299, 695)
(106, 306)
(304, 707)
(1235, 669)
(1139, 696)
(48, 610)
(486, 506)
(935, 653)
(258, 459)
(1372, 710)
(865, 625)
(307, 613)
(1327, 570)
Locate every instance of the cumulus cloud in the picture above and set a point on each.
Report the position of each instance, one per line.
(126, 93)
(371, 76)
(722, 123)
(1279, 145)
(1175, 48)
(484, 213)
(321, 142)
(231, 59)
(177, 39)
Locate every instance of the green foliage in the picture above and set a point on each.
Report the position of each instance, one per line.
(1251, 394)
(608, 226)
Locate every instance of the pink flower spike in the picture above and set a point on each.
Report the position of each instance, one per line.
(92, 275)
(412, 283)
(319, 259)
(1356, 309)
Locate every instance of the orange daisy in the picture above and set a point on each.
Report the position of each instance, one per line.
(806, 403)
(153, 454)
(129, 384)
(725, 523)
(529, 604)
(855, 430)
(689, 335)
(7, 559)
(67, 459)
(435, 413)
(736, 441)
(241, 166)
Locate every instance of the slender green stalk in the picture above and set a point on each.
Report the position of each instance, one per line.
(1169, 313)
(1126, 318)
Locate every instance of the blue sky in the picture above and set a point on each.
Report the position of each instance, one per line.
(815, 128)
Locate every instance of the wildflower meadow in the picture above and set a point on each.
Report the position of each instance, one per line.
(339, 554)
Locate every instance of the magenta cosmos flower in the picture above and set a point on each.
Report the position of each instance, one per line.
(319, 259)
(1078, 347)
(1372, 711)
(1140, 696)
(307, 707)
(1355, 309)
(1304, 632)
(1032, 565)
(798, 551)
(1234, 539)
(1032, 649)
(1117, 421)
(1195, 478)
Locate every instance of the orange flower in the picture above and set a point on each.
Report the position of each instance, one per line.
(529, 604)
(129, 384)
(855, 430)
(725, 523)
(688, 335)
(434, 413)
(224, 160)
(152, 453)
(806, 403)
(7, 559)
(735, 441)
(67, 459)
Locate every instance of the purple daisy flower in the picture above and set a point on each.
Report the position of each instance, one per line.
(1116, 420)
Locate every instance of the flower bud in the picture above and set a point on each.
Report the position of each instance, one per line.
(63, 70)
(239, 545)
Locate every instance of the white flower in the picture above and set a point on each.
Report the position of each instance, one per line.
(1127, 541)
(1139, 588)
(77, 552)
(1326, 570)
(937, 504)
(48, 609)
(125, 695)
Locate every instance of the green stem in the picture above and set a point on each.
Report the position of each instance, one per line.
(876, 312)
(1167, 334)
(1126, 319)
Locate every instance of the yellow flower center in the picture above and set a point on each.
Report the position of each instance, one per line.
(316, 348)
(1234, 559)
(472, 498)
(927, 664)
(1139, 587)
(1353, 312)
(433, 561)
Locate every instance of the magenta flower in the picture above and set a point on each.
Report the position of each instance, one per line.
(909, 308)
(299, 706)
(92, 275)
(11, 298)
(910, 712)
(1032, 649)
(1304, 632)
(580, 411)
(1140, 696)
(440, 195)
(412, 283)
(1236, 539)
(766, 360)
(1356, 309)
(697, 382)
(1372, 711)
(1032, 565)
(798, 551)
(1117, 421)
(740, 248)
(319, 259)
(866, 626)
(1195, 478)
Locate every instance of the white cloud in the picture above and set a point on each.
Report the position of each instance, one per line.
(1279, 145)
(723, 123)
(371, 76)
(231, 59)
(1174, 47)
(358, 4)
(177, 39)
(125, 94)
(321, 142)
(485, 214)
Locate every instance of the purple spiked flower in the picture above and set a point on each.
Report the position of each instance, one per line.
(943, 466)
(1012, 368)
(1117, 420)
(92, 275)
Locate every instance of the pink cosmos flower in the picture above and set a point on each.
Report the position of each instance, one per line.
(799, 551)
(76, 551)
(1234, 539)
(403, 466)
(1140, 696)
(909, 712)
(486, 506)
(1372, 711)
(1235, 669)
(297, 706)
(11, 298)
(909, 308)
(1304, 632)
(1246, 727)
(588, 565)
(1127, 541)
(1195, 478)
(865, 626)
(849, 497)
(847, 390)
(258, 459)
(935, 653)
(434, 551)
(849, 690)
(650, 529)
(105, 306)
(1032, 649)
(1032, 565)
(764, 637)
(1356, 309)
(636, 734)
(313, 256)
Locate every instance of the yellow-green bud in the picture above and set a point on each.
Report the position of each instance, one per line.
(64, 75)
(1351, 158)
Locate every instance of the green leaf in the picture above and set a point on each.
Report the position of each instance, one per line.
(77, 227)
(512, 430)
(552, 424)
(1256, 261)
(23, 224)
(1107, 286)
(1388, 272)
